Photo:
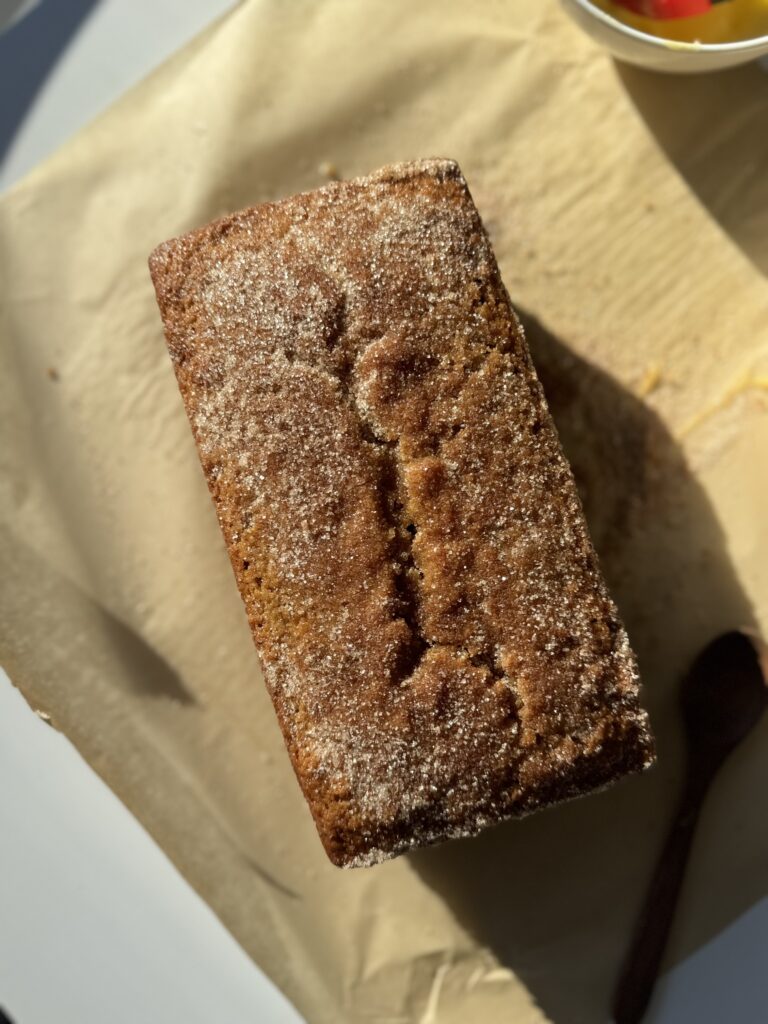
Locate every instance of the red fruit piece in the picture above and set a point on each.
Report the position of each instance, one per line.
(667, 8)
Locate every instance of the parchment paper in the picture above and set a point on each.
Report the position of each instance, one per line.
(118, 612)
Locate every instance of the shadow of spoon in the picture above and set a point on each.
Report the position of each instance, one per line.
(723, 698)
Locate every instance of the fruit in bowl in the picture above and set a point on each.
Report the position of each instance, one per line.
(677, 35)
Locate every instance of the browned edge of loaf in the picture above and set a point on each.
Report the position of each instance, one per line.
(466, 663)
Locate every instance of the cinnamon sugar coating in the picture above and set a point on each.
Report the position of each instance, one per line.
(404, 529)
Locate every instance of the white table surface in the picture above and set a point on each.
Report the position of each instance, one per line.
(96, 925)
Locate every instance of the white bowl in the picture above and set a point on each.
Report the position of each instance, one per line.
(648, 51)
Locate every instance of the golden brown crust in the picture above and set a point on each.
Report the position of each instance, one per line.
(436, 636)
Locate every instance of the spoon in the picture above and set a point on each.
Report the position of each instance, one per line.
(723, 697)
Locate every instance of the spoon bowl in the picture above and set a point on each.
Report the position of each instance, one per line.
(724, 693)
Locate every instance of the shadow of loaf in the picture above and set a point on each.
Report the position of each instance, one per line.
(554, 896)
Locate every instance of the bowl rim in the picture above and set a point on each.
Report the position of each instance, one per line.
(670, 44)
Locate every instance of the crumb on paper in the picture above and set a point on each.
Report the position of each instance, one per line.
(329, 170)
(43, 716)
(748, 384)
(650, 381)
(53, 373)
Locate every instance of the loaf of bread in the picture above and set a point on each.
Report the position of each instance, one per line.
(435, 633)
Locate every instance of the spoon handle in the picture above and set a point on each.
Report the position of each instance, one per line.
(633, 992)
